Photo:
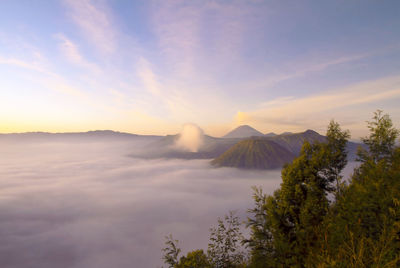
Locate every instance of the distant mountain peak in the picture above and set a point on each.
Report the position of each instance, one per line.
(310, 131)
(245, 127)
(243, 131)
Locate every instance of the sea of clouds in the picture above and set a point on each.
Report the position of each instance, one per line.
(80, 204)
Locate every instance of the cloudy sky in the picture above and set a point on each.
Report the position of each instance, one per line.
(150, 66)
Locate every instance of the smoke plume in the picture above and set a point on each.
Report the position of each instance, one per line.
(190, 138)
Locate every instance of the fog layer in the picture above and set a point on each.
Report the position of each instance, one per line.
(81, 204)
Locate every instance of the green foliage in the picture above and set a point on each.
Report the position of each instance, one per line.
(171, 252)
(294, 213)
(285, 226)
(335, 150)
(194, 259)
(224, 247)
(260, 242)
(381, 140)
(363, 228)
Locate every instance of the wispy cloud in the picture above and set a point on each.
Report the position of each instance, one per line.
(167, 94)
(195, 61)
(302, 68)
(199, 43)
(198, 39)
(313, 111)
(116, 97)
(95, 22)
(148, 77)
(29, 65)
(51, 79)
(177, 29)
(71, 52)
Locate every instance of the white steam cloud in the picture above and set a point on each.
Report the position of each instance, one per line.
(191, 138)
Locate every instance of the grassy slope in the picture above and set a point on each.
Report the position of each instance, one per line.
(255, 154)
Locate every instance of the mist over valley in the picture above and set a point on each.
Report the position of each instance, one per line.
(79, 203)
(104, 198)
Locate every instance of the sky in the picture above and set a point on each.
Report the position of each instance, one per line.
(148, 67)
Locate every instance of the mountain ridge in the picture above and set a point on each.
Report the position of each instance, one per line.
(165, 146)
(290, 143)
(39, 136)
(254, 154)
(243, 131)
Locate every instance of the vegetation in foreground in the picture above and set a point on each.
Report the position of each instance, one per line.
(315, 219)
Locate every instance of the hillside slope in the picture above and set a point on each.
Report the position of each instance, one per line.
(255, 154)
(294, 141)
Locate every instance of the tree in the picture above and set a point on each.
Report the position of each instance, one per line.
(381, 140)
(224, 247)
(363, 226)
(337, 155)
(285, 226)
(260, 242)
(194, 259)
(299, 206)
(171, 251)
